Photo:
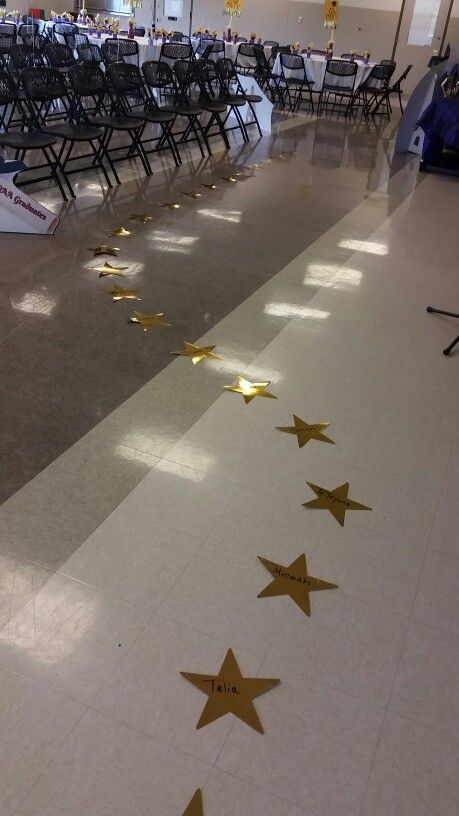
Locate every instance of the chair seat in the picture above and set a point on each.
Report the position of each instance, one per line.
(116, 122)
(75, 133)
(236, 100)
(26, 141)
(213, 106)
(156, 116)
(252, 98)
(186, 110)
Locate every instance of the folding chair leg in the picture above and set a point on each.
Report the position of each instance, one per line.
(53, 164)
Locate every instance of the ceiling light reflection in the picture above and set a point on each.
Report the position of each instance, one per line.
(342, 277)
(34, 303)
(373, 247)
(293, 310)
(181, 471)
(224, 215)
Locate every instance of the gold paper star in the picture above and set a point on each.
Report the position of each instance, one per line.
(144, 218)
(195, 806)
(293, 580)
(108, 269)
(172, 205)
(209, 186)
(118, 293)
(104, 250)
(230, 693)
(334, 500)
(197, 353)
(148, 320)
(192, 194)
(120, 232)
(305, 432)
(228, 179)
(248, 389)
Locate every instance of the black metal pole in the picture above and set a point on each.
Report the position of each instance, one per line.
(399, 25)
(191, 18)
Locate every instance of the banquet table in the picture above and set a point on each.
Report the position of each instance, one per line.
(315, 71)
(440, 123)
(231, 50)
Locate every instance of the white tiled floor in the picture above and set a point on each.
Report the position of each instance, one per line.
(95, 717)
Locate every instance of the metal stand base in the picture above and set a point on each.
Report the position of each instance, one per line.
(449, 348)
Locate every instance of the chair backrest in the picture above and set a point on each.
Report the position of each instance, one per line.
(118, 49)
(139, 32)
(292, 62)
(6, 43)
(388, 62)
(341, 68)
(241, 39)
(125, 77)
(88, 52)
(75, 39)
(207, 51)
(279, 49)
(178, 36)
(158, 74)
(184, 74)
(8, 88)
(174, 51)
(25, 56)
(246, 50)
(318, 52)
(42, 84)
(64, 28)
(260, 56)
(27, 32)
(58, 55)
(271, 43)
(8, 28)
(88, 79)
(381, 72)
(352, 56)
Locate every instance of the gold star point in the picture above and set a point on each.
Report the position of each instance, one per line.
(209, 186)
(249, 390)
(305, 432)
(120, 232)
(108, 269)
(195, 806)
(197, 353)
(293, 580)
(118, 293)
(191, 194)
(144, 218)
(228, 179)
(147, 321)
(171, 205)
(336, 501)
(103, 249)
(229, 692)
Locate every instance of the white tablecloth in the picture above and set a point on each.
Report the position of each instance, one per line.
(315, 71)
(231, 50)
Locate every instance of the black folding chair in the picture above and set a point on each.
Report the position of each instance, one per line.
(27, 33)
(184, 105)
(339, 82)
(89, 53)
(26, 139)
(297, 85)
(58, 56)
(246, 61)
(75, 39)
(396, 88)
(170, 52)
(370, 91)
(232, 92)
(217, 110)
(119, 49)
(59, 30)
(89, 82)
(213, 50)
(271, 43)
(7, 40)
(133, 100)
(43, 89)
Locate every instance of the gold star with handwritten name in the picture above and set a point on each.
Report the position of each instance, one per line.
(108, 269)
(304, 432)
(118, 293)
(249, 390)
(195, 806)
(230, 693)
(209, 186)
(335, 500)
(104, 250)
(228, 179)
(144, 218)
(147, 321)
(197, 353)
(120, 232)
(192, 194)
(171, 205)
(293, 580)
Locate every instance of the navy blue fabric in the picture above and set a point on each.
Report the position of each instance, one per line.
(440, 123)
